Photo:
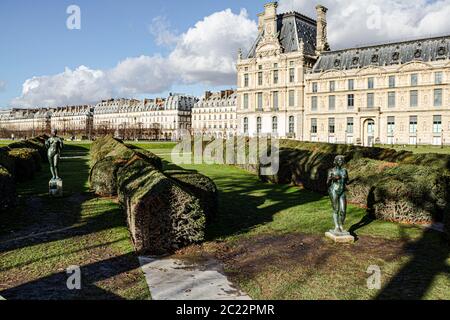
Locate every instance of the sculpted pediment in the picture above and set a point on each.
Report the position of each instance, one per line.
(269, 45)
(370, 70)
(332, 74)
(414, 65)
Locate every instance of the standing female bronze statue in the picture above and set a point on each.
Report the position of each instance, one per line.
(54, 145)
(337, 181)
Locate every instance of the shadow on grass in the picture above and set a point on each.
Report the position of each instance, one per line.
(428, 258)
(242, 199)
(40, 219)
(54, 287)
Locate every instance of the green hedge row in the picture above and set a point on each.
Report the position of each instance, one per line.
(7, 189)
(164, 213)
(394, 186)
(19, 162)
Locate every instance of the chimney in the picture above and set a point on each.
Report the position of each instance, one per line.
(267, 21)
(207, 95)
(322, 40)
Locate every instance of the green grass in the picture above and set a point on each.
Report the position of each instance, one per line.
(419, 148)
(78, 229)
(250, 210)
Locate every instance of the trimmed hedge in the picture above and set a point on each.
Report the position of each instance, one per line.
(163, 214)
(6, 161)
(7, 189)
(394, 186)
(26, 162)
(201, 187)
(162, 217)
(37, 144)
(103, 176)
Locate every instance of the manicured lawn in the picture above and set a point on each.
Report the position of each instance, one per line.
(42, 237)
(419, 149)
(270, 238)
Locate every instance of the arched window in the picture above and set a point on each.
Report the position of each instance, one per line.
(291, 124)
(274, 124)
(245, 125)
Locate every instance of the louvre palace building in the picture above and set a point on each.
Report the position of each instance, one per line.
(292, 85)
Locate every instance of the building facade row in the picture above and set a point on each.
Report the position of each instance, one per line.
(215, 114)
(291, 85)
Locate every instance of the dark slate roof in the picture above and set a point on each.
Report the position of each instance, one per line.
(429, 49)
(292, 28)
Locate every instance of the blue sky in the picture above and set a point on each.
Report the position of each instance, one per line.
(35, 40)
(36, 43)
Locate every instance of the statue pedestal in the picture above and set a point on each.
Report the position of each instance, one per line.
(340, 237)
(55, 188)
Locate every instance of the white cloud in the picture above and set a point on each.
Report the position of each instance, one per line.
(2, 85)
(359, 22)
(160, 29)
(206, 54)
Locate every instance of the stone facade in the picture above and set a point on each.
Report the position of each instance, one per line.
(271, 75)
(18, 123)
(73, 120)
(394, 93)
(215, 114)
(291, 85)
(150, 118)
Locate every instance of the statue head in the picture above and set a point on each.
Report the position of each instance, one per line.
(339, 161)
(54, 132)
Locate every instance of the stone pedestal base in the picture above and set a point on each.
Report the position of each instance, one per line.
(55, 188)
(340, 237)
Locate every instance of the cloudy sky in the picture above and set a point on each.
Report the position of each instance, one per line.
(140, 48)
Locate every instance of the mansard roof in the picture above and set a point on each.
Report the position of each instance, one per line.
(292, 28)
(429, 49)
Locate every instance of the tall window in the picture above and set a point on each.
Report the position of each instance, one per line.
(275, 76)
(258, 125)
(332, 86)
(313, 125)
(245, 100)
(246, 125)
(350, 101)
(260, 101)
(370, 100)
(291, 98)
(391, 81)
(390, 125)
(350, 125)
(331, 125)
(331, 102)
(246, 80)
(291, 124)
(391, 99)
(260, 78)
(413, 98)
(437, 97)
(370, 83)
(414, 79)
(438, 77)
(413, 124)
(291, 75)
(314, 87)
(314, 103)
(437, 124)
(274, 124)
(351, 84)
(275, 100)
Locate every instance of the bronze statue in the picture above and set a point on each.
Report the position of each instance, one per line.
(337, 181)
(54, 145)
